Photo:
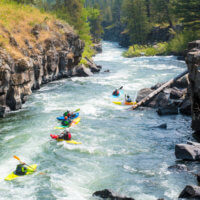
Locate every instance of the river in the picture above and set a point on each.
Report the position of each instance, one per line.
(120, 149)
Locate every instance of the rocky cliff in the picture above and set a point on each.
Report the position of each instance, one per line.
(48, 52)
(193, 63)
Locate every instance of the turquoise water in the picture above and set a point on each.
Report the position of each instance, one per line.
(120, 149)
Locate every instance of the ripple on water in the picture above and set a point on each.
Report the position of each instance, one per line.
(121, 149)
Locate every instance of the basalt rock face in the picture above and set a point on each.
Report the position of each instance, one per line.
(56, 57)
(193, 63)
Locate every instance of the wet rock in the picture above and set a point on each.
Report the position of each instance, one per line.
(175, 93)
(143, 93)
(185, 107)
(168, 110)
(160, 101)
(190, 191)
(2, 111)
(198, 177)
(81, 70)
(189, 151)
(156, 86)
(97, 47)
(107, 71)
(182, 82)
(163, 126)
(179, 167)
(107, 194)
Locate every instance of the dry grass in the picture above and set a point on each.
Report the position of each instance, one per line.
(17, 20)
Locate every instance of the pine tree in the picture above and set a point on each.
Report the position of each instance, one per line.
(136, 17)
(189, 13)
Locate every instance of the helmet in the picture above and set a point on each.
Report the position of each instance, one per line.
(69, 136)
(66, 117)
(128, 96)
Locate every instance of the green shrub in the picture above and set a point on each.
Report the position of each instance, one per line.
(179, 43)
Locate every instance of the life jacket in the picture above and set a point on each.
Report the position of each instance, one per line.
(128, 100)
(20, 170)
(116, 93)
(65, 136)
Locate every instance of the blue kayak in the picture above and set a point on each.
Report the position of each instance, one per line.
(72, 117)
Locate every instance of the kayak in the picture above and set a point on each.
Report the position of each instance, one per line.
(124, 103)
(69, 141)
(74, 122)
(62, 117)
(29, 171)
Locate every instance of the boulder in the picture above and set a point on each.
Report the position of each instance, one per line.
(189, 151)
(2, 111)
(198, 177)
(160, 101)
(190, 191)
(168, 110)
(97, 47)
(107, 194)
(143, 93)
(183, 82)
(185, 107)
(175, 93)
(82, 70)
(156, 86)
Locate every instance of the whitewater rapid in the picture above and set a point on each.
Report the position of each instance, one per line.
(120, 149)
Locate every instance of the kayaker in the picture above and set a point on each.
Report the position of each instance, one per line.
(66, 113)
(127, 99)
(65, 135)
(20, 169)
(115, 92)
(67, 121)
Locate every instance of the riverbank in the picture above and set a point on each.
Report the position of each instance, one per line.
(176, 46)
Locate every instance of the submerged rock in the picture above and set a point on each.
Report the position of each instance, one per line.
(107, 194)
(190, 191)
(178, 167)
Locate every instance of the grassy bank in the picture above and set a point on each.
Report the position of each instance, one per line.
(17, 21)
(176, 46)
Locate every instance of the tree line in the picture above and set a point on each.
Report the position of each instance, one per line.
(136, 16)
(139, 16)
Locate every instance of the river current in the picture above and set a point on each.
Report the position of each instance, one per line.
(121, 150)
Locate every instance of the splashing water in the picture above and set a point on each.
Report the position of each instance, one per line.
(120, 149)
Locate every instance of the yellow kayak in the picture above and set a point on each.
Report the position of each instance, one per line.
(124, 103)
(14, 176)
(74, 122)
(69, 141)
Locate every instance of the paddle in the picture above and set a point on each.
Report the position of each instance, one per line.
(22, 162)
(120, 88)
(76, 110)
